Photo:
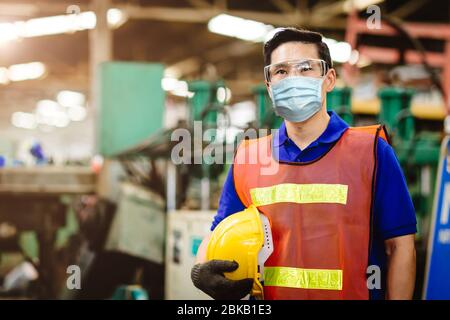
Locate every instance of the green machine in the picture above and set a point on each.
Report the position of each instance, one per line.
(339, 101)
(417, 151)
(204, 104)
(266, 117)
(131, 104)
(204, 107)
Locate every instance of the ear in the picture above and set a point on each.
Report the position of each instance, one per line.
(330, 80)
(268, 89)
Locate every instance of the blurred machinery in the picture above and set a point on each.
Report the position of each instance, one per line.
(339, 100)
(416, 146)
(417, 150)
(266, 117)
(153, 185)
(185, 232)
(31, 200)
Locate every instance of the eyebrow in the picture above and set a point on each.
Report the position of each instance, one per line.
(281, 64)
(285, 63)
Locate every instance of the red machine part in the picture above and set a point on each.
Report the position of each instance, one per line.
(357, 26)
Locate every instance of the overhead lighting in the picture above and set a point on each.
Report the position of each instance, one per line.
(68, 98)
(58, 119)
(26, 71)
(49, 112)
(24, 120)
(223, 95)
(21, 72)
(240, 28)
(255, 31)
(47, 108)
(57, 25)
(340, 51)
(348, 5)
(176, 87)
(8, 32)
(61, 120)
(116, 17)
(354, 57)
(4, 79)
(169, 84)
(76, 113)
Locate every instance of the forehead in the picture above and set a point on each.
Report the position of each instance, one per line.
(294, 51)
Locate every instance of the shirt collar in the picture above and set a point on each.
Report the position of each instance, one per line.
(333, 132)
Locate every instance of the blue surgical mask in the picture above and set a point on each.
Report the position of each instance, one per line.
(297, 99)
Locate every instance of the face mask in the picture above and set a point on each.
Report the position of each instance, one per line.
(297, 99)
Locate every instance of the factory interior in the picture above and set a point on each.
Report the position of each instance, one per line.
(95, 95)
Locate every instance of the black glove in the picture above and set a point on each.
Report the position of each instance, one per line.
(209, 278)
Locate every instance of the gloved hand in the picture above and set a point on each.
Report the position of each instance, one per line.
(209, 278)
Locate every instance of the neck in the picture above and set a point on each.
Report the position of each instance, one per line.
(303, 133)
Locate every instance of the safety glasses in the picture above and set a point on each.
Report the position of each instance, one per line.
(306, 68)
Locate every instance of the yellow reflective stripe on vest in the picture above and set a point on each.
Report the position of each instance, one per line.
(300, 193)
(325, 279)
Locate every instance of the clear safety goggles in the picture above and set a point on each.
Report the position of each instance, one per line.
(306, 68)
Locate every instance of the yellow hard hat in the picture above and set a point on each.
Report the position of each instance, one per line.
(246, 238)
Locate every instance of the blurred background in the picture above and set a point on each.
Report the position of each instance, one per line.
(93, 206)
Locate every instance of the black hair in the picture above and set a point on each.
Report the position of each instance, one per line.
(301, 35)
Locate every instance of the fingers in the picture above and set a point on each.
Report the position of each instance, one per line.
(195, 275)
(221, 266)
(235, 289)
(244, 286)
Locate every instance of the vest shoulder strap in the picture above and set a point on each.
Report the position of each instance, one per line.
(376, 130)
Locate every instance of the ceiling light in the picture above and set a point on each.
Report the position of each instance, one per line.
(115, 17)
(76, 113)
(60, 24)
(236, 27)
(176, 87)
(47, 108)
(348, 5)
(223, 95)
(24, 120)
(4, 79)
(26, 71)
(340, 51)
(68, 98)
(8, 32)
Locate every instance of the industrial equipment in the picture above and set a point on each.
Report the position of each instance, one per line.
(417, 151)
(185, 231)
(31, 200)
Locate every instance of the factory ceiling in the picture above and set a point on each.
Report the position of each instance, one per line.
(175, 32)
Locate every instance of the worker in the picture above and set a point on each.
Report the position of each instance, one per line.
(338, 204)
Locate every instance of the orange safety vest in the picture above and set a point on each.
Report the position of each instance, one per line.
(320, 213)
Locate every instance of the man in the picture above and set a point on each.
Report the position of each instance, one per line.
(338, 203)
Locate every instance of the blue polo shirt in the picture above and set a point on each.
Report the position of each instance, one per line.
(393, 214)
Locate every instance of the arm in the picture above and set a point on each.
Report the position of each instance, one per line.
(394, 228)
(229, 203)
(401, 274)
(208, 276)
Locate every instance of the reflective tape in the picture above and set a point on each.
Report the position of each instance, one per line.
(300, 193)
(324, 279)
